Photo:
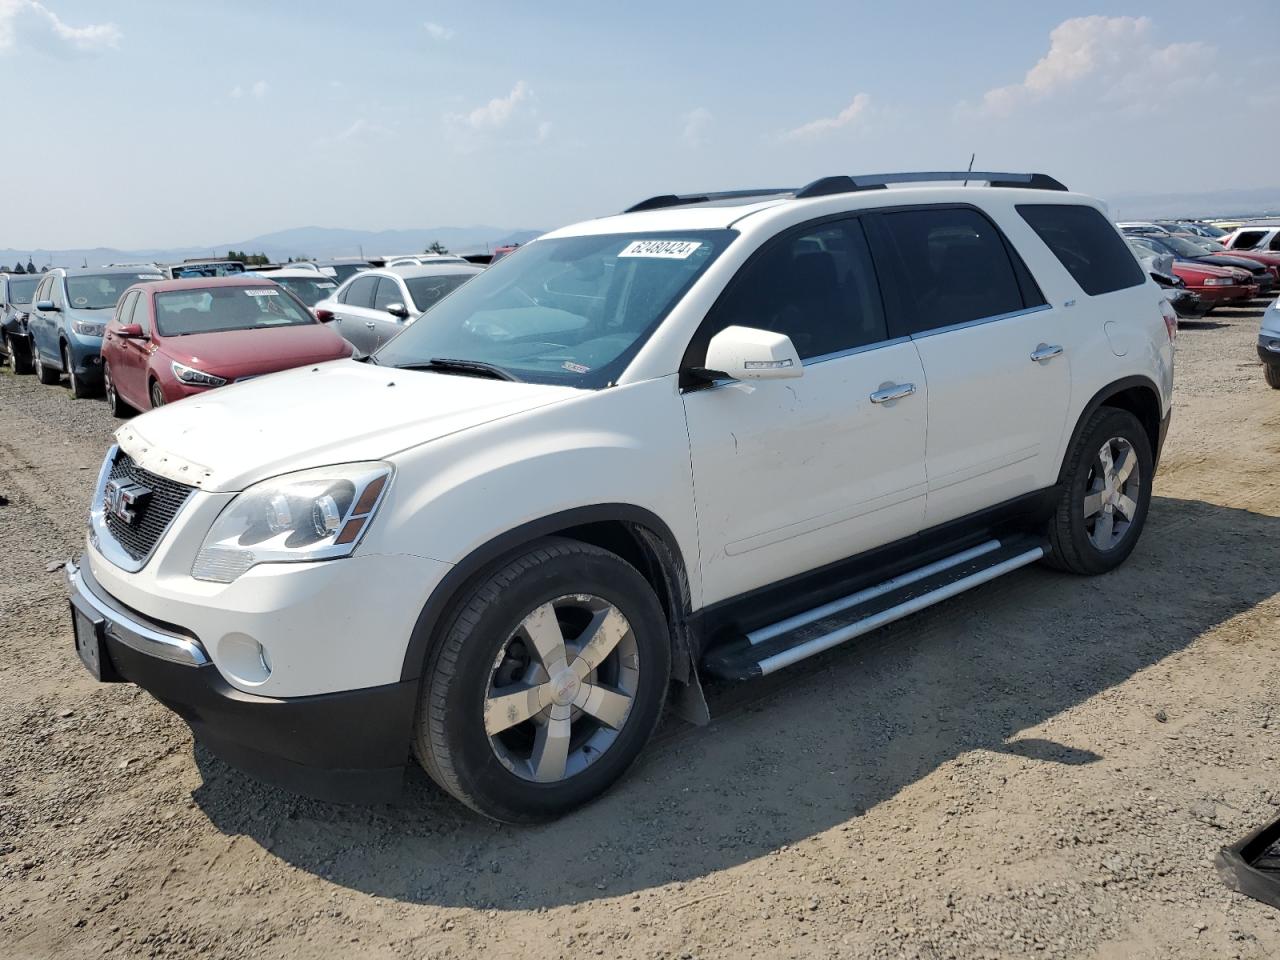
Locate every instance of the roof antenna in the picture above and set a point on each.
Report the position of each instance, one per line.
(969, 169)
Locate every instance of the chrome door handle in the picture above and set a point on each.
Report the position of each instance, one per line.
(893, 392)
(1045, 351)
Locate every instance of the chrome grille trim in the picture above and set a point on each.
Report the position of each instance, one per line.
(130, 546)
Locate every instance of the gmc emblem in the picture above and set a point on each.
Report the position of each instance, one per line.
(119, 499)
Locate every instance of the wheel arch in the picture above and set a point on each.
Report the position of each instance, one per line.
(1138, 395)
(637, 535)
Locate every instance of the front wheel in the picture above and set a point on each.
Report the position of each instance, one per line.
(20, 354)
(1105, 497)
(43, 374)
(79, 388)
(157, 395)
(1271, 372)
(548, 682)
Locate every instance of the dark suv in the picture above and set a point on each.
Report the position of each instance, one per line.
(15, 305)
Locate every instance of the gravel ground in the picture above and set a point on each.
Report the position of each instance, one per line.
(1043, 767)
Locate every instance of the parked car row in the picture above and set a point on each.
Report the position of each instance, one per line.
(146, 335)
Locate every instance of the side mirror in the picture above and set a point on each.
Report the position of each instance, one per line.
(129, 331)
(45, 306)
(745, 353)
(398, 310)
(323, 315)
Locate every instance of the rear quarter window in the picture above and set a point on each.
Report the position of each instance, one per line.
(1086, 244)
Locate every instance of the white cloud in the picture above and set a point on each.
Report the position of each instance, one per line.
(28, 24)
(514, 117)
(438, 32)
(696, 123)
(850, 116)
(1111, 59)
(259, 89)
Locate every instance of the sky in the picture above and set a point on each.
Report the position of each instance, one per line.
(154, 123)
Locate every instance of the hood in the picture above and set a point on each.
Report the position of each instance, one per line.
(338, 412)
(245, 353)
(1226, 260)
(1198, 268)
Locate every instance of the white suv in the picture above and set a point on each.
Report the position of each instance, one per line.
(711, 436)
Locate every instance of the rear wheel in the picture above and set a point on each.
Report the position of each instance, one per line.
(20, 354)
(1271, 371)
(117, 406)
(79, 388)
(45, 375)
(548, 682)
(157, 395)
(1106, 495)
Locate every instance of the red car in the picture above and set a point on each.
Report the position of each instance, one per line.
(1216, 285)
(1269, 259)
(177, 338)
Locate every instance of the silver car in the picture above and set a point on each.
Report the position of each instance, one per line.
(375, 305)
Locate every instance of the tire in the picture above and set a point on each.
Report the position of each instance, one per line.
(43, 374)
(79, 389)
(157, 395)
(486, 648)
(1271, 373)
(117, 406)
(20, 355)
(1096, 535)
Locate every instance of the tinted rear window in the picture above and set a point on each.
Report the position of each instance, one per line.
(1086, 244)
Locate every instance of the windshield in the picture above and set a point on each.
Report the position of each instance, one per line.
(345, 271)
(1183, 248)
(306, 289)
(100, 292)
(182, 271)
(216, 309)
(1213, 246)
(569, 310)
(20, 291)
(428, 291)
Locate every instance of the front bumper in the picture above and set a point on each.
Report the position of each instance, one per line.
(1269, 348)
(350, 746)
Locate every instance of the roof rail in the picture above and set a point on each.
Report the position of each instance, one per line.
(673, 200)
(827, 186)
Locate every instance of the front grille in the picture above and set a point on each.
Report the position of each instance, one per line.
(153, 515)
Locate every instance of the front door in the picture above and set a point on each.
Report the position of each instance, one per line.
(790, 475)
(386, 325)
(353, 315)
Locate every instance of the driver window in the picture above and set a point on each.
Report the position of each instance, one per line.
(815, 284)
(142, 313)
(388, 293)
(124, 308)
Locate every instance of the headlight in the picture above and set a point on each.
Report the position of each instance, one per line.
(1218, 281)
(195, 377)
(318, 514)
(89, 328)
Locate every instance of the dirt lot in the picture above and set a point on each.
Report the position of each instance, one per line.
(1043, 767)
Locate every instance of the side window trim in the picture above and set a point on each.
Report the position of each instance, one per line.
(124, 313)
(888, 262)
(852, 351)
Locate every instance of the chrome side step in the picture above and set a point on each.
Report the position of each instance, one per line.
(769, 649)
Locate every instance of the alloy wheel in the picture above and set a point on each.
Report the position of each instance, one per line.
(561, 688)
(157, 398)
(109, 388)
(1111, 493)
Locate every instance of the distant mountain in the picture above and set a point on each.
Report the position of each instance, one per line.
(318, 242)
(1256, 202)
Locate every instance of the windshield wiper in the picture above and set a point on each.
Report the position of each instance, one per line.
(474, 368)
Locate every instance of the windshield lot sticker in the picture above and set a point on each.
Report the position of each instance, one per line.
(150, 276)
(575, 367)
(262, 293)
(80, 301)
(661, 249)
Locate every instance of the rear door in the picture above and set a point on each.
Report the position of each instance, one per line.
(134, 353)
(992, 350)
(793, 474)
(353, 314)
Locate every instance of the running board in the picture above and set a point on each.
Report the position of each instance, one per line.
(769, 649)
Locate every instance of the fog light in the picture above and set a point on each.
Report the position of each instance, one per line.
(244, 658)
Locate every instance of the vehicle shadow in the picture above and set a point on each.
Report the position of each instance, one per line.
(794, 755)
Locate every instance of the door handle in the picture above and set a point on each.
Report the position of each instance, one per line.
(895, 391)
(1045, 351)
